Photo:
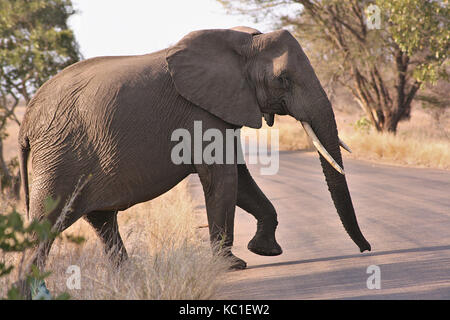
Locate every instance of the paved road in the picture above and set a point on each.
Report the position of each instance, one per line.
(403, 212)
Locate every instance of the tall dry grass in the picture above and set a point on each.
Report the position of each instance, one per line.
(420, 142)
(168, 257)
(398, 149)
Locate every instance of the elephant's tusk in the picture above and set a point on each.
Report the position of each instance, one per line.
(321, 148)
(344, 145)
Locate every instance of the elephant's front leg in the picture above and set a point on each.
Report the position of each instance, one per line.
(219, 183)
(252, 199)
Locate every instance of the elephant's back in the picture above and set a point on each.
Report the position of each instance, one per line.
(94, 90)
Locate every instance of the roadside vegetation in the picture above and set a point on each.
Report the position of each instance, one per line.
(168, 256)
(419, 142)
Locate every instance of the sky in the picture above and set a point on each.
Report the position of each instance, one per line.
(130, 27)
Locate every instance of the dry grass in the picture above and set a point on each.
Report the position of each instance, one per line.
(168, 257)
(420, 142)
(405, 150)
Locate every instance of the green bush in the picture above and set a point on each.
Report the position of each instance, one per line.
(363, 125)
(16, 236)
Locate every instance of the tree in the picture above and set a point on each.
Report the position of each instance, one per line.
(436, 104)
(35, 43)
(383, 67)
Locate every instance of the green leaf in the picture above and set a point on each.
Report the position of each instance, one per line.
(14, 294)
(50, 204)
(75, 239)
(63, 296)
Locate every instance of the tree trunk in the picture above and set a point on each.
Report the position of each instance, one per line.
(391, 123)
(371, 114)
(9, 183)
(5, 176)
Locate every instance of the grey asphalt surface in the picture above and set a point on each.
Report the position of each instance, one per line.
(403, 212)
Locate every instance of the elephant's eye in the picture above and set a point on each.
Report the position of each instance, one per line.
(283, 81)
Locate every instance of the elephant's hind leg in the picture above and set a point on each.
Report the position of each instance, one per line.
(106, 227)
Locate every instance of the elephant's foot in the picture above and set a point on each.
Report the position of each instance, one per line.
(264, 242)
(264, 246)
(236, 263)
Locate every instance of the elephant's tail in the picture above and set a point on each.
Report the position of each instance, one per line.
(23, 166)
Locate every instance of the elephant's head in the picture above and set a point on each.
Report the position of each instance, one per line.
(240, 74)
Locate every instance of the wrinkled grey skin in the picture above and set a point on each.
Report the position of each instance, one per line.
(112, 118)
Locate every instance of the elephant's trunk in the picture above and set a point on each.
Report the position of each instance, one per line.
(323, 124)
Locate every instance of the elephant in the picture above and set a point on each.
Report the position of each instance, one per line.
(111, 119)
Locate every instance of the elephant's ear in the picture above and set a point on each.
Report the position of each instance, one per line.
(207, 68)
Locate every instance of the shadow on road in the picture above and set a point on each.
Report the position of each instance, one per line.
(372, 254)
